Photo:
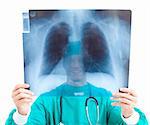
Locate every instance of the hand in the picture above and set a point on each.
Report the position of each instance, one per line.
(126, 99)
(22, 98)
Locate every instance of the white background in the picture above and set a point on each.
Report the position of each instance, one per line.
(11, 50)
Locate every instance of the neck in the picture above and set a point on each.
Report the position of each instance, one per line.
(76, 83)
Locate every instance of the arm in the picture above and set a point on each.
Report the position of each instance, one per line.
(22, 98)
(125, 102)
(36, 116)
(42, 110)
(142, 117)
(10, 120)
(115, 116)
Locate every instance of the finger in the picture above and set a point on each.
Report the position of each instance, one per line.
(21, 90)
(130, 91)
(21, 86)
(124, 95)
(23, 95)
(25, 100)
(124, 101)
(119, 104)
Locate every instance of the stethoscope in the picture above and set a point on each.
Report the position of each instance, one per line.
(86, 108)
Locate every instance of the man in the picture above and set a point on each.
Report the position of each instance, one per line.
(67, 103)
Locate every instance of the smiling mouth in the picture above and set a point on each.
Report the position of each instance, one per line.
(76, 70)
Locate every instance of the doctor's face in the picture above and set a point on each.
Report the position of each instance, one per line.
(74, 68)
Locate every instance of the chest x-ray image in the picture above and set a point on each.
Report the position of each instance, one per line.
(76, 47)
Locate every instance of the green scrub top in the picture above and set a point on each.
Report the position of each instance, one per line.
(46, 109)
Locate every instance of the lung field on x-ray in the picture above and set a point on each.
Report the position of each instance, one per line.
(104, 38)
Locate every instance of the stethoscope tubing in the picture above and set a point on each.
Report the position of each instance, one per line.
(87, 111)
(86, 108)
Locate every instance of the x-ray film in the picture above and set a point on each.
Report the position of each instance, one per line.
(76, 45)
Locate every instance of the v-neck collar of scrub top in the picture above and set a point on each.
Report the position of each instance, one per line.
(70, 90)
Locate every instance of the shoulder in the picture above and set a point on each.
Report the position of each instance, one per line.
(49, 96)
(54, 92)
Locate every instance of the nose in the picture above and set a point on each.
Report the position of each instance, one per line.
(76, 64)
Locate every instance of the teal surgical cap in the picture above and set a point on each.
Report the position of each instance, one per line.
(73, 48)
